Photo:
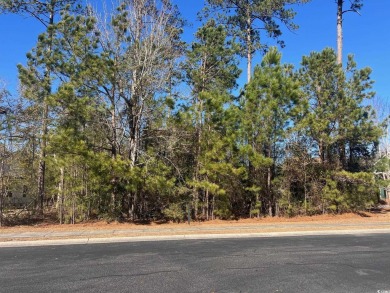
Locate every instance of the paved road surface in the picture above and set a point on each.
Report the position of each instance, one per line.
(353, 263)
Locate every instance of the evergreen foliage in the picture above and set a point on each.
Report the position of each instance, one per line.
(246, 19)
(123, 141)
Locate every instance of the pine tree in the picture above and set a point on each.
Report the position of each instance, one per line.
(45, 12)
(247, 18)
(338, 116)
(76, 108)
(272, 99)
(339, 121)
(211, 70)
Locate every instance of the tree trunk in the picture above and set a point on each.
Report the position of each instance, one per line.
(45, 117)
(134, 142)
(113, 196)
(270, 208)
(113, 157)
(135, 109)
(42, 163)
(305, 188)
(73, 210)
(207, 205)
(1, 208)
(197, 155)
(113, 134)
(340, 31)
(212, 208)
(114, 181)
(343, 157)
(133, 203)
(269, 180)
(2, 191)
(321, 151)
(61, 196)
(269, 191)
(204, 206)
(249, 45)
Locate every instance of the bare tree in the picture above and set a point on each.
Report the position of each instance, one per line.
(140, 44)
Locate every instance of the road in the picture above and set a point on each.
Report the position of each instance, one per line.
(353, 263)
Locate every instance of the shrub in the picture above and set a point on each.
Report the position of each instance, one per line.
(174, 212)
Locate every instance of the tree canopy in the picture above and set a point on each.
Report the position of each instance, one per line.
(119, 118)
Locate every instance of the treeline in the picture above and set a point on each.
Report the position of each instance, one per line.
(119, 118)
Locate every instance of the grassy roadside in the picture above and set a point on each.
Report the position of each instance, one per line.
(348, 218)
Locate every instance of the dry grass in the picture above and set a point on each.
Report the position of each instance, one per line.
(36, 223)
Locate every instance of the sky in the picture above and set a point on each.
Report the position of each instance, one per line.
(367, 37)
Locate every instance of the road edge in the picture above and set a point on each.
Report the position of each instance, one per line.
(88, 241)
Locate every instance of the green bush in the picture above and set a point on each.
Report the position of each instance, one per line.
(174, 212)
(345, 191)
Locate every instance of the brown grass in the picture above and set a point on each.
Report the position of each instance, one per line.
(48, 222)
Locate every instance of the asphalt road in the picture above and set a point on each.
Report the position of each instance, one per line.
(353, 263)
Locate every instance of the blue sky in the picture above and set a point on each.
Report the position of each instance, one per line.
(366, 36)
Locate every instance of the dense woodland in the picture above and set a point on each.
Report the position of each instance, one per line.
(118, 118)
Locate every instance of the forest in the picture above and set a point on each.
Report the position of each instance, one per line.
(118, 118)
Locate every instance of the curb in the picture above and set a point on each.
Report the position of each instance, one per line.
(87, 241)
